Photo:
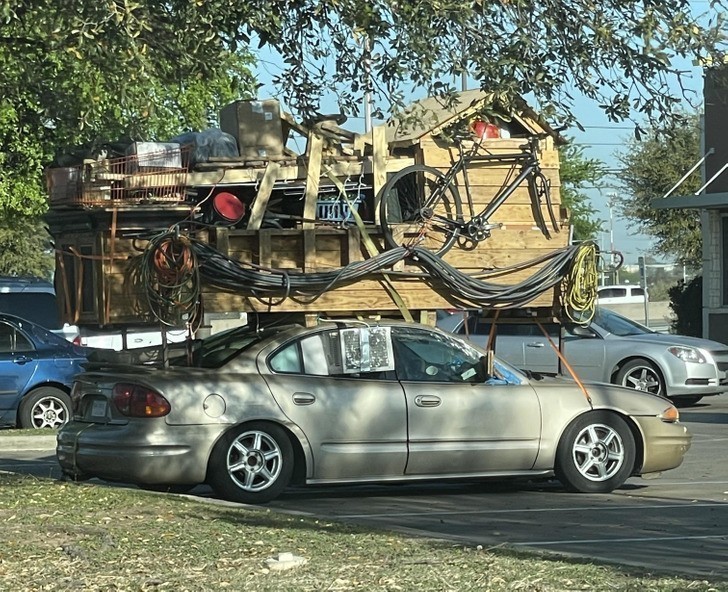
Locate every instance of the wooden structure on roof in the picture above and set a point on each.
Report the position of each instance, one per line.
(102, 217)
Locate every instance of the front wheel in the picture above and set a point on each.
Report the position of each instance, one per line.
(44, 407)
(419, 208)
(641, 375)
(251, 464)
(596, 453)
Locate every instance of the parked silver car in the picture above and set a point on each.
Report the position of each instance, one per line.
(612, 349)
(347, 402)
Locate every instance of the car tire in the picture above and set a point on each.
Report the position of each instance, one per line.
(641, 375)
(252, 463)
(44, 407)
(596, 453)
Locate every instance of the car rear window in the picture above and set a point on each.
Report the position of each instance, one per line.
(40, 308)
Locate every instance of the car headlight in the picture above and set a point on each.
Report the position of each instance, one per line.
(688, 354)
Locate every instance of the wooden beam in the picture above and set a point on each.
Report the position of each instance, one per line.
(379, 165)
(260, 203)
(313, 178)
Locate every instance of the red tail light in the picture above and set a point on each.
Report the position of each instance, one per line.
(135, 400)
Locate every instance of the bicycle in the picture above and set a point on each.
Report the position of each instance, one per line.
(421, 206)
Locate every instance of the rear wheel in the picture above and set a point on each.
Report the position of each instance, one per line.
(44, 407)
(596, 453)
(252, 463)
(419, 209)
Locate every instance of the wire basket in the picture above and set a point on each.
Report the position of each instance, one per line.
(140, 178)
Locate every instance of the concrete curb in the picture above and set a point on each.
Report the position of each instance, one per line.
(13, 443)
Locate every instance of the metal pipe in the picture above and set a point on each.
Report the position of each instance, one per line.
(690, 172)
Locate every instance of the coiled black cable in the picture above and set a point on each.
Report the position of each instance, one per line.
(174, 266)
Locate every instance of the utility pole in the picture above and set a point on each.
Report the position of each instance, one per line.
(610, 199)
(368, 85)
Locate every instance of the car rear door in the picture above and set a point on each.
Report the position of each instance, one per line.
(354, 422)
(18, 364)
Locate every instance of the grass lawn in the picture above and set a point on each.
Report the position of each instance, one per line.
(87, 537)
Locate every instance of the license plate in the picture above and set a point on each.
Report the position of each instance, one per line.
(98, 409)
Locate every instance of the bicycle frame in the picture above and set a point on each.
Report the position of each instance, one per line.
(527, 158)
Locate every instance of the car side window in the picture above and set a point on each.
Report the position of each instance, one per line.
(13, 341)
(478, 326)
(320, 355)
(287, 360)
(423, 356)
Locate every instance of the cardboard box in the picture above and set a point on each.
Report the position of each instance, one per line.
(153, 156)
(256, 125)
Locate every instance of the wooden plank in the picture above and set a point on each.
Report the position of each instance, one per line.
(264, 248)
(260, 203)
(379, 169)
(249, 175)
(313, 178)
(222, 241)
(309, 250)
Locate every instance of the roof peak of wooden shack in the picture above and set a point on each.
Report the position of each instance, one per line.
(435, 115)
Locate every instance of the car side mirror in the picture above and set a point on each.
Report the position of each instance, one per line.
(581, 331)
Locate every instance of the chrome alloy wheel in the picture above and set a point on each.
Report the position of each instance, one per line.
(598, 452)
(254, 461)
(643, 378)
(49, 412)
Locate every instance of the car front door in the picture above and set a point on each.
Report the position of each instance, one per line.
(18, 363)
(355, 422)
(585, 351)
(459, 424)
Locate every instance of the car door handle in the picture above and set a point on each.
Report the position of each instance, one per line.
(22, 360)
(427, 401)
(303, 398)
(535, 344)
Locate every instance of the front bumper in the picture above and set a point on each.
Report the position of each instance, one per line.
(665, 444)
(129, 453)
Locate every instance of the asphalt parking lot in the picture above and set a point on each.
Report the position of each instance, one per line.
(677, 523)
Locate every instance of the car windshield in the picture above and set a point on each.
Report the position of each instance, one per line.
(617, 324)
(218, 349)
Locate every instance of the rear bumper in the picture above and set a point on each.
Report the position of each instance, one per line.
(665, 444)
(175, 455)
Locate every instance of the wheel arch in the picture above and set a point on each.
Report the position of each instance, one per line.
(65, 389)
(637, 434)
(623, 362)
(639, 441)
(301, 456)
(52, 383)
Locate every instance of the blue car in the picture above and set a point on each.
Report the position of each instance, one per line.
(36, 374)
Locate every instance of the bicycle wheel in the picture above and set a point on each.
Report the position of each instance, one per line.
(539, 188)
(418, 209)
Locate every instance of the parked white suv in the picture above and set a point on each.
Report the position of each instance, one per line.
(621, 294)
